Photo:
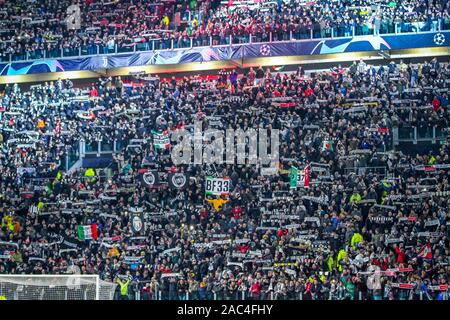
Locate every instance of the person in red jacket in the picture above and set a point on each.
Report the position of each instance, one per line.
(203, 214)
(236, 212)
(382, 263)
(436, 104)
(244, 247)
(400, 253)
(255, 289)
(164, 269)
(93, 92)
(282, 232)
(276, 93)
(308, 92)
(307, 292)
(146, 291)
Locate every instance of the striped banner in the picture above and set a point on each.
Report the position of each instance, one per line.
(408, 286)
(442, 287)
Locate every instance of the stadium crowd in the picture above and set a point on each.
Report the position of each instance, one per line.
(376, 233)
(47, 28)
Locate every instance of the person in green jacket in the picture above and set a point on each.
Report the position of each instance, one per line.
(123, 289)
(192, 4)
(349, 287)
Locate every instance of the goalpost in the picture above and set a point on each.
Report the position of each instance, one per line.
(55, 287)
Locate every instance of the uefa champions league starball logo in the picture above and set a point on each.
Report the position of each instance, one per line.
(439, 39)
(264, 50)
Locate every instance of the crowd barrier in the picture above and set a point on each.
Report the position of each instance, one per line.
(404, 294)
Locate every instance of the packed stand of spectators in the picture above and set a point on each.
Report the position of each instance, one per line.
(357, 232)
(46, 28)
(35, 28)
(323, 19)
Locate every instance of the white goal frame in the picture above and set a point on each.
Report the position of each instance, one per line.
(52, 280)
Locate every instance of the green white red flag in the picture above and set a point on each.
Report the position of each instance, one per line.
(87, 232)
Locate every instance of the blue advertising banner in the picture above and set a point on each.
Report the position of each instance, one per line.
(360, 43)
(242, 51)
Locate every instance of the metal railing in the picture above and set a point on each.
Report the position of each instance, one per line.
(403, 294)
(381, 171)
(97, 147)
(416, 134)
(168, 43)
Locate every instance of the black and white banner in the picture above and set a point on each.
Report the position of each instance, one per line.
(150, 178)
(432, 223)
(177, 180)
(138, 223)
(381, 220)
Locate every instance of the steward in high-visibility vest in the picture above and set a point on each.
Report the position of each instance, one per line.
(330, 263)
(341, 256)
(355, 198)
(322, 278)
(432, 160)
(123, 288)
(386, 188)
(166, 20)
(90, 173)
(356, 238)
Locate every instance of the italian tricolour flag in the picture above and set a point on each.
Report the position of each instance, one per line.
(161, 139)
(87, 232)
(294, 177)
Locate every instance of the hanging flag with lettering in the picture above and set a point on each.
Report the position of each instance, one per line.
(299, 178)
(161, 139)
(217, 186)
(306, 176)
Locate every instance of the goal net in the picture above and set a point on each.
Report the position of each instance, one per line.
(55, 287)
